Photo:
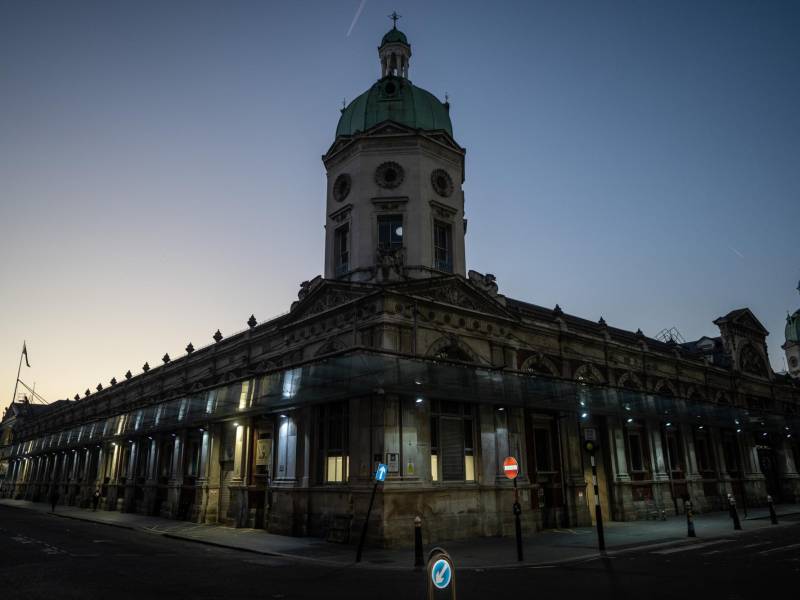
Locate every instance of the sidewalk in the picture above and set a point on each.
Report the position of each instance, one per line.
(546, 547)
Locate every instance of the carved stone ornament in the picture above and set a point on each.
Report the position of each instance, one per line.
(113, 381)
(128, 375)
(487, 282)
(341, 187)
(442, 182)
(189, 348)
(77, 396)
(389, 175)
(166, 358)
(99, 387)
(251, 322)
(217, 336)
(145, 367)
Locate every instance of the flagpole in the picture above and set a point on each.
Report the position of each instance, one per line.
(19, 370)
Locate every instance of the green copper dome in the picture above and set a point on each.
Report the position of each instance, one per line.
(793, 327)
(394, 99)
(394, 35)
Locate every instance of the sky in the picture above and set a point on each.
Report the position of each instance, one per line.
(160, 172)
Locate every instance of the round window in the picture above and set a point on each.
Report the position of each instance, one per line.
(442, 182)
(389, 175)
(341, 187)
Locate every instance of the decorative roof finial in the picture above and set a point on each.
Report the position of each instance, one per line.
(217, 336)
(394, 17)
(189, 348)
(251, 322)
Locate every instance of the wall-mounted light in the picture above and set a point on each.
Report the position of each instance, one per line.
(501, 408)
(235, 423)
(669, 423)
(700, 427)
(584, 415)
(419, 400)
(630, 420)
(738, 430)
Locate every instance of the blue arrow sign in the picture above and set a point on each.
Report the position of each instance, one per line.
(441, 573)
(380, 473)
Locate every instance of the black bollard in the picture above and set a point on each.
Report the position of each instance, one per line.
(772, 516)
(418, 561)
(689, 520)
(734, 515)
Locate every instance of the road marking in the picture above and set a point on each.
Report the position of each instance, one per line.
(755, 545)
(780, 549)
(691, 547)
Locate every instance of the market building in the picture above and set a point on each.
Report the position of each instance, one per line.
(400, 355)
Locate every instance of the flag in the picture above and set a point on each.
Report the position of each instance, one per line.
(25, 354)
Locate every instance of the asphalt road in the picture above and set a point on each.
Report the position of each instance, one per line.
(44, 556)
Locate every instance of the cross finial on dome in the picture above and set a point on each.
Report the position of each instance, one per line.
(394, 16)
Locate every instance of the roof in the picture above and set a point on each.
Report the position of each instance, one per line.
(793, 327)
(395, 99)
(394, 35)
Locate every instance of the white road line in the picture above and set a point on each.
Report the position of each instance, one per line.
(755, 545)
(691, 547)
(780, 549)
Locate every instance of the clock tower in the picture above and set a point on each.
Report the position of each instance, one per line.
(395, 204)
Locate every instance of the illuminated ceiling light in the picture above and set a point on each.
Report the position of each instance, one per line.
(501, 408)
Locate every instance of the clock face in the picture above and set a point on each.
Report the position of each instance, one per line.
(341, 187)
(442, 182)
(389, 175)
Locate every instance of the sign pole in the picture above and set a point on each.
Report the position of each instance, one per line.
(517, 523)
(598, 511)
(380, 477)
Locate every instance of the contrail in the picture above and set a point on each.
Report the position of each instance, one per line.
(739, 254)
(355, 18)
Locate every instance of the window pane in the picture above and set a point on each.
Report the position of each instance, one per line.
(442, 247)
(452, 449)
(390, 231)
(469, 468)
(434, 467)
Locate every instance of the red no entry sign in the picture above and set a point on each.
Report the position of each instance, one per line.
(511, 467)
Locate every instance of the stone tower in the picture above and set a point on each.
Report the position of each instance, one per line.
(792, 344)
(395, 205)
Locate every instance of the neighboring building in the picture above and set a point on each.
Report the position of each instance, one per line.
(402, 356)
(792, 344)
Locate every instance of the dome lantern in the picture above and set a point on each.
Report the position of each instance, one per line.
(394, 52)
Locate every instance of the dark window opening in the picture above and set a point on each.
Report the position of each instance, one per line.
(341, 250)
(390, 231)
(443, 246)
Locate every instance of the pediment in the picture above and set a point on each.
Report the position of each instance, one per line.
(455, 291)
(321, 295)
(743, 318)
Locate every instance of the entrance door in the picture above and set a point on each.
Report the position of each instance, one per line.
(766, 461)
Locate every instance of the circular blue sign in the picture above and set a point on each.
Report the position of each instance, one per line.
(441, 573)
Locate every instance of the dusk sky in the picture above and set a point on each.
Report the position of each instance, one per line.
(160, 172)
